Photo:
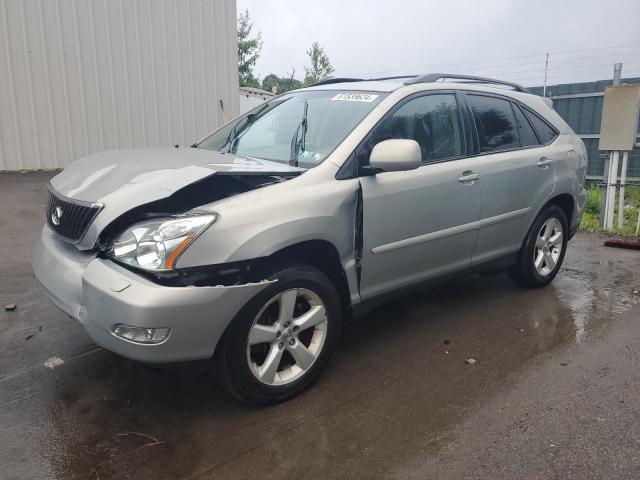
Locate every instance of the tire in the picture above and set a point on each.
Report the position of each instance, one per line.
(243, 368)
(531, 270)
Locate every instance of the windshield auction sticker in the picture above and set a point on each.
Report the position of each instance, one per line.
(355, 97)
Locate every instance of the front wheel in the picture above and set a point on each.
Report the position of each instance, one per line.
(281, 340)
(542, 252)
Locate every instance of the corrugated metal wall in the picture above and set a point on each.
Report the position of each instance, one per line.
(77, 76)
(584, 114)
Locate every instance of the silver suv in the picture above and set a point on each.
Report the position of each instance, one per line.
(250, 247)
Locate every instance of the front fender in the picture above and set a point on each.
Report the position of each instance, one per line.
(277, 237)
(270, 219)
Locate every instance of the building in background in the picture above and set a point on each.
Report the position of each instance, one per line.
(580, 105)
(252, 97)
(78, 76)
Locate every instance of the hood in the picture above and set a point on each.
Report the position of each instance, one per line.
(97, 176)
(122, 180)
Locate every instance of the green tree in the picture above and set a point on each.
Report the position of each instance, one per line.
(321, 68)
(270, 81)
(249, 49)
(290, 84)
(282, 84)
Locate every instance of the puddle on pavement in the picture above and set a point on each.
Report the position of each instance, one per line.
(100, 416)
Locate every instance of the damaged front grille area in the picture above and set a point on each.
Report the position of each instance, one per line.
(70, 218)
(207, 190)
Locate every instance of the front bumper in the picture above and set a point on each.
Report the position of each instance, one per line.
(99, 294)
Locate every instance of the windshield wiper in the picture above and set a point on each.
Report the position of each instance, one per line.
(297, 147)
(232, 136)
(235, 131)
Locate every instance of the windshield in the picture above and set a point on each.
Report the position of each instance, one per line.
(300, 128)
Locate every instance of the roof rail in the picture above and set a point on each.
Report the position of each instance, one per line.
(392, 78)
(343, 79)
(429, 78)
(337, 80)
(434, 77)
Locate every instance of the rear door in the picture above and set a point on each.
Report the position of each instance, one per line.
(420, 223)
(517, 170)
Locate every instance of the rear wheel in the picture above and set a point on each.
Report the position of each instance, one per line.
(281, 340)
(543, 250)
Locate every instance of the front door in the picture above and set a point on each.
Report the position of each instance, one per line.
(421, 223)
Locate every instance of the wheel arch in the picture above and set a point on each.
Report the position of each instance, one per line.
(320, 254)
(566, 202)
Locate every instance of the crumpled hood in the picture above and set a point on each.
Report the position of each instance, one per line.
(97, 176)
(124, 179)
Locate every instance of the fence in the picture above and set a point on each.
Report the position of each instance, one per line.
(580, 105)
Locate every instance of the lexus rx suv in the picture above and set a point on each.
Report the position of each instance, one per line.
(250, 247)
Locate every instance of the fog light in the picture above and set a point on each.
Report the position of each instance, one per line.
(141, 334)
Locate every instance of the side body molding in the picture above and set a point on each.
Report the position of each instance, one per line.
(447, 232)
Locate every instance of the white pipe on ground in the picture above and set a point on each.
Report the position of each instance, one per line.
(611, 199)
(605, 213)
(623, 180)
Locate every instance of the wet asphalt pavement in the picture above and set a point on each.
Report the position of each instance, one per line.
(554, 392)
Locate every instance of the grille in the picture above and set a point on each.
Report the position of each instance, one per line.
(73, 217)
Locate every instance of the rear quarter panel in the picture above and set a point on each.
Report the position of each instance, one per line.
(571, 172)
(571, 176)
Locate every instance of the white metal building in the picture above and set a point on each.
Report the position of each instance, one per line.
(78, 76)
(252, 97)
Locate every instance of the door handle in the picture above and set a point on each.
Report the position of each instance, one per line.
(468, 177)
(544, 162)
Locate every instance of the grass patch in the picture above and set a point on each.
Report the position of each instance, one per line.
(593, 201)
(630, 212)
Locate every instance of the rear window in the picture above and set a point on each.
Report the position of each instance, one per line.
(546, 133)
(527, 135)
(495, 123)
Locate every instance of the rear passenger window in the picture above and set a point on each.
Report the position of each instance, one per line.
(495, 123)
(527, 135)
(545, 132)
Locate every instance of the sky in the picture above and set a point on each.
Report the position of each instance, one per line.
(496, 38)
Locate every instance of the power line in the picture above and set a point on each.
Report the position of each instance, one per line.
(597, 68)
(542, 60)
(555, 78)
(529, 75)
(557, 52)
(595, 48)
(552, 70)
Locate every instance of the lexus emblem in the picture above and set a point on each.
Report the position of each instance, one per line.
(56, 216)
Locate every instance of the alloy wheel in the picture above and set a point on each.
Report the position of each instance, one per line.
(287, 336)
(548, 248)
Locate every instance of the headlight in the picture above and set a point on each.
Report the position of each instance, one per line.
(157, 244)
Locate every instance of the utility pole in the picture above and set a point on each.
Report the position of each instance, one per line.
(546, 69)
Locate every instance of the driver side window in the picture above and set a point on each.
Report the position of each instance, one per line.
(431, 120)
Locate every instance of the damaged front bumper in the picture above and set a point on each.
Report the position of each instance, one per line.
(101, 294)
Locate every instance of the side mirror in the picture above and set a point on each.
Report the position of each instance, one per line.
(396, 155)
